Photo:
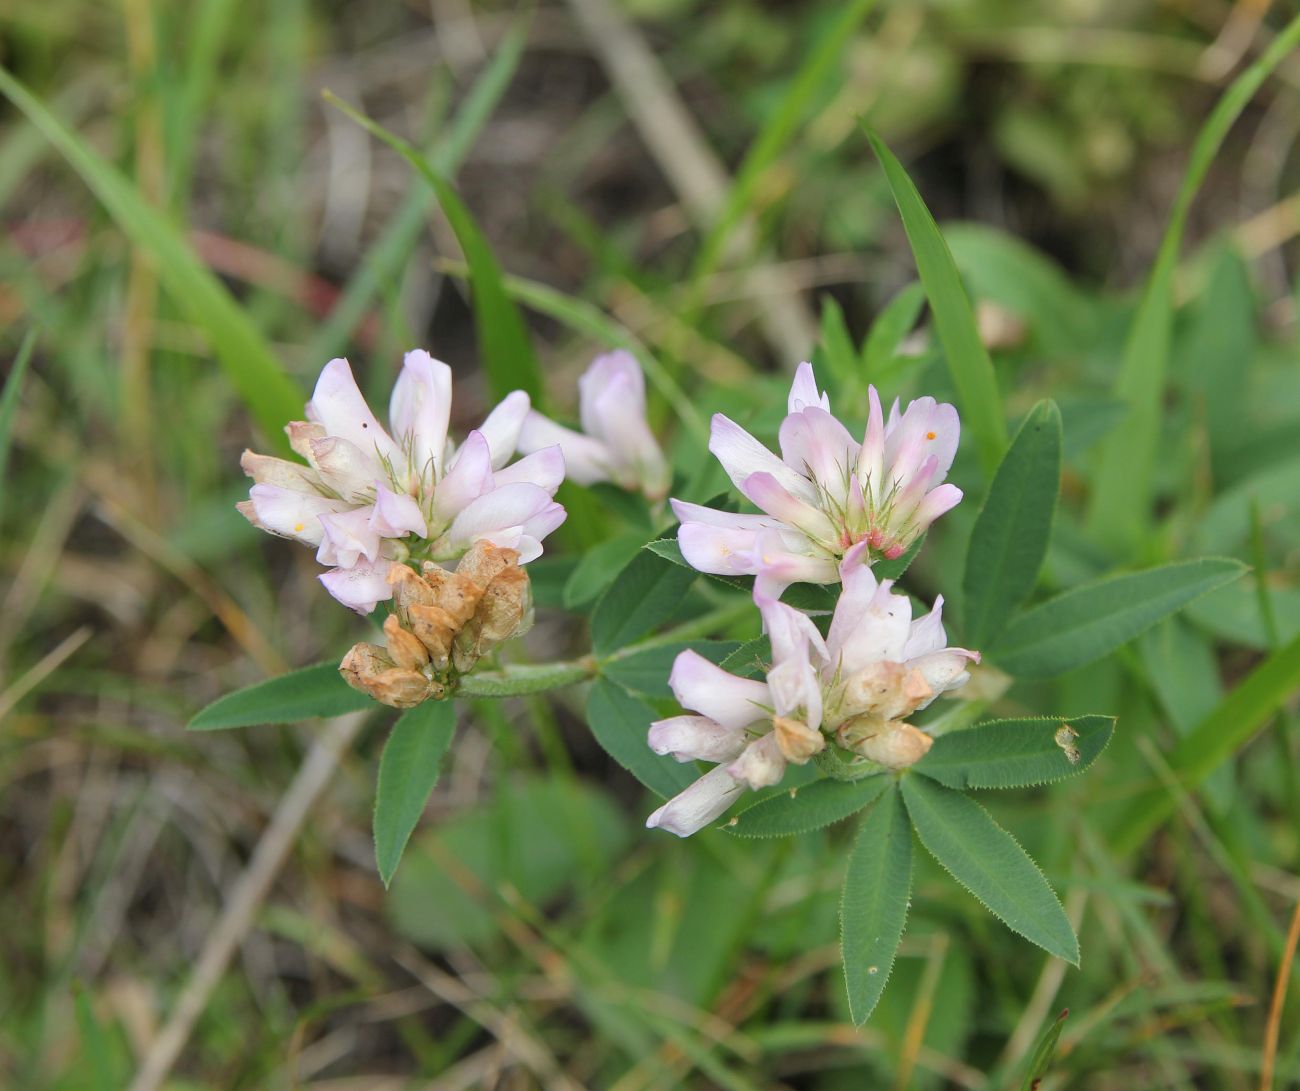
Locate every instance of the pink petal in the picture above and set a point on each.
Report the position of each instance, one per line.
(504, 509)
(361, 587)
(544, 468)
(396, 514)
(927, 428)
(768, 493)
(421, 407)
(741, 455)
(724, 551)
(469, 478)
(706, 688)
(586, 460)
(815, 444)
(349, 536)
(803, 391)
(502, 426)
(698, 513)
(870, 632)
(781, 559)
(612, 384)
(694, 808)
(871, 458)
(936, 502)
(338, 405)
(695, 738)
(926, 633)
(292, 514)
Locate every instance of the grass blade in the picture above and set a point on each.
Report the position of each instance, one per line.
(873, 907)
(9, 406)
(504, 345)
(1121, 502)
(408, 772)
(968, 359)
(268, 392)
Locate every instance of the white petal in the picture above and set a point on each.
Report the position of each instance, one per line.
(944, 670)
(871, 457)
(469, 478)
(501, 427)
(816, 444)
(541, 524)
(267, 470)
(791, 632)
(612, 383)
(725, 551)
(867, 627)
(926, 633)
(586, 460)
(396, 514)
(292, 514)
(803, 391)
(338, 405)
(544, 468)
(741, 455)
(760, 765)
(796, 690)
(783, 558)
(349, 536)
(927, 428)
(706, 688)
(695, 738)
(421, 407)
(768, 493)
(698, 513)
(361, 587)
(508, 507)
(344, 467)
(694, 808)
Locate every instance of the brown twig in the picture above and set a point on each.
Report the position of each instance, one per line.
(1275, 1008)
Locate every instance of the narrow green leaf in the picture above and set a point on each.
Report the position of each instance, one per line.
(1121, 500)
(1215, 739)
(802, 810)
(1017, 753)
(1010, 537)
(408, 771)
(893, 323)
(9, 406)
(1088, 622)
(598, 567)
(271, 396)
(645, 594)
(990, 863)
(504, 344)
(835, 355)
(873, 906)
(781, 125)
(620, 723)
(1043, 1052)
(298, 695)
(968, 359)
(647, 671)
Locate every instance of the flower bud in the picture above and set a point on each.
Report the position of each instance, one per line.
(889, 743)
(370, 669)
(796, 740)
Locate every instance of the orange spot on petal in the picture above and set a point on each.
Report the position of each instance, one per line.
(929, 435)
(297, 528)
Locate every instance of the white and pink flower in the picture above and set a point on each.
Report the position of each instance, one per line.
(615, 443)
(876, 666)
(368, 497)
(827, 493)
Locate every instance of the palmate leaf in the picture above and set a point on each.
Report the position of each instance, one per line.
(1017, 753)
(1010, 536)
(1087, 622)
(990, 863)
(873, 906)
(298, 695)
(803, 810)
(408, 772)
(619, 723)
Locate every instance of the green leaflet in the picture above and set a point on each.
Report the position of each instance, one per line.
(408, 771)
(254, 370)
(1088, 622)
(619, 722)
(645, 594)
(1011, 533)
(1017, 753)
(1044, 1051)
(597, 568)
(1121, 500)
(803, 810)
(504, 344)
(888, 330)
(646, 671)
(990, 863)
(298, 695)
(873, 906)
(968, 359)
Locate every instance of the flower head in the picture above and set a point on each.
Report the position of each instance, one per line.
(616, 443)
(855, 688)
(827, 493)
(368, 497)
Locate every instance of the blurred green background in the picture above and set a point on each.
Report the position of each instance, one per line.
(536, 936)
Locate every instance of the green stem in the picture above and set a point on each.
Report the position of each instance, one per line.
(516, 681)
(835, 767)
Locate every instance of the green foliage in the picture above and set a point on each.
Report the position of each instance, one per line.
(968, 359)
(646, 671)
(988, 862)
(408, 773)
(645, 594)
(619, 722)
(873, 906)
(1040, 1058)
(1085, 623)
(802, 810)
(504, 345)
(9, 406)
(1010, 537)
(298, 695)
(1017, 753)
